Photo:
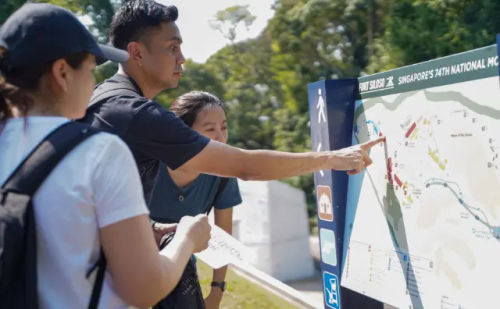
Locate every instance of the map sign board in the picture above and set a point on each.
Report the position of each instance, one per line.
(422, 227)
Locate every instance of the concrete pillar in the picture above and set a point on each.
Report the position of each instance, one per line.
(273, 223)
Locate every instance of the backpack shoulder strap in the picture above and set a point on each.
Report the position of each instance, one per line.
(99, 280)
(106, 94)
(115, 86)
(222, 184)
(31, 173)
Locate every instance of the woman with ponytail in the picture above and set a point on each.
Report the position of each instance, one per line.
(185, 191)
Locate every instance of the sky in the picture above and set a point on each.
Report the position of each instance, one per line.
(200, 41)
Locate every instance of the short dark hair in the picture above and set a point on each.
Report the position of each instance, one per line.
(136, 17)
(189, 105)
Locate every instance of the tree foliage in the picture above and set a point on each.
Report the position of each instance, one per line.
(7, 7)
(100, 12)
(227, 21)
(265, 79)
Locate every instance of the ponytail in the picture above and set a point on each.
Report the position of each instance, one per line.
(5, 111)
(10, 94)
(16, 83)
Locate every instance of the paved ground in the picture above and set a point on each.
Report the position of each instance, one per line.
(310, 287)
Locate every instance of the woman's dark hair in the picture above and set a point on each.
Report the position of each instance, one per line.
(135, 18)
(188, 106)
(14, 82)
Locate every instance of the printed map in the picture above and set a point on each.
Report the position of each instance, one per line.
(423, 222)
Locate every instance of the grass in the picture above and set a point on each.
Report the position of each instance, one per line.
(241, 293)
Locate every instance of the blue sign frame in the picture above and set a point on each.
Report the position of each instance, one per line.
(331, 106)
(331, 124)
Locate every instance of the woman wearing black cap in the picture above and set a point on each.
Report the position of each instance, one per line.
(93, 197)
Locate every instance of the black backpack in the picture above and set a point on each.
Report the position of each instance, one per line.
(18, 272)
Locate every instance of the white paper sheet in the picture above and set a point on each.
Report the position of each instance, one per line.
(223, 249)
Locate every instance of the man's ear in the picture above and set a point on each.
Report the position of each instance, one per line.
(59, 76)
(136, 52)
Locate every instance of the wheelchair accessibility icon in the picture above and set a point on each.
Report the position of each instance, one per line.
(331, 290)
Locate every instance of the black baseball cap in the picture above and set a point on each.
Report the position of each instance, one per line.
(40, 32)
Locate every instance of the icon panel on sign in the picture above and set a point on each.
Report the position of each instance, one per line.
(325, 205)
(328, 248)
(331, 290)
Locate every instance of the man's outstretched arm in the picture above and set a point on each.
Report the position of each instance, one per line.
(224, 160)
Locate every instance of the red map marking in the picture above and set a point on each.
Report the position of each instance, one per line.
(413, 126)
(397, 180)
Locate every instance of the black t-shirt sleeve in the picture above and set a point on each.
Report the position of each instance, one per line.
(156, 132)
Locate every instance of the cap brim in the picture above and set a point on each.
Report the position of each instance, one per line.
(110, 53)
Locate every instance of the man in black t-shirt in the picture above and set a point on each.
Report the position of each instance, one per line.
(124, 105)
(152, 132)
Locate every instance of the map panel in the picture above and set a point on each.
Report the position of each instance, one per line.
(423, 222)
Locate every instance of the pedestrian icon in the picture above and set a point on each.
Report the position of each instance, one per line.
(331, 290)
(328, 248)
(324, 200)
(321, 108)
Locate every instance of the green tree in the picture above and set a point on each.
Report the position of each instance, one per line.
(417, 31)
(264, 80)
(227, 21)
(100, 11)
(247, 92)
(7, 7)
(105, 71)
(196, 76)
(243, 70)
